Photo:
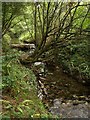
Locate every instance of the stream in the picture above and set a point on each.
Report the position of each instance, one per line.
(64, 96)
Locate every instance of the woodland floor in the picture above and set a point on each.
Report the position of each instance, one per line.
(64, 96)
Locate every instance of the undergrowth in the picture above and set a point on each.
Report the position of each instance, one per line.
(74, 58)
(19, 89)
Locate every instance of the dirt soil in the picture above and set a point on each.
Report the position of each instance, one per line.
(64, 96)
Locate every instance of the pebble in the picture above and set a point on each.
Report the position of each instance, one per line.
(63, 104)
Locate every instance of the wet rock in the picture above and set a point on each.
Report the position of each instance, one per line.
(57, 102)
(75, 96)
(70, 109)
(88, 99)
(54, 110)
(42, 78)
(39, 67)
(82, 97)
(76, 102)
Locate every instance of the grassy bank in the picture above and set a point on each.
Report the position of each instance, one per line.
(19, 88)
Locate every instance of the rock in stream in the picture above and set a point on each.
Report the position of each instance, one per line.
(64, 96)
(70, 109)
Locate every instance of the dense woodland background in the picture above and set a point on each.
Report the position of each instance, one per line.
(58, 34)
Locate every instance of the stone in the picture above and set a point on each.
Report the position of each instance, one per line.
(56, 103)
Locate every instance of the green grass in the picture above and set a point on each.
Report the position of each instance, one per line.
(19, 90)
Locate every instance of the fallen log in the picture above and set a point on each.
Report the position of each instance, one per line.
(23, 47)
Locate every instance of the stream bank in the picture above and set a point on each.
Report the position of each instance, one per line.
(63, 95)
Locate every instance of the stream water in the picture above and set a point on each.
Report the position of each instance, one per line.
(63, 95)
